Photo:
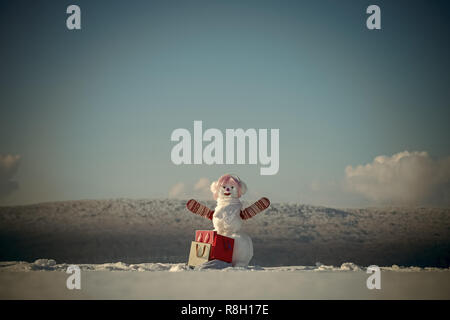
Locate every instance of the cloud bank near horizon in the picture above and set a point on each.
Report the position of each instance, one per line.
(405, 178)
(199, 190)
(9, 164)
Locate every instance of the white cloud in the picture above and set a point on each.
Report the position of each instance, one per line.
(177, 191)
(406, 178)
(315, 185)
(200, 190)
(9, 165)
(202, 184)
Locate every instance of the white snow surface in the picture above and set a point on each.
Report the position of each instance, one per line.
(46, 279)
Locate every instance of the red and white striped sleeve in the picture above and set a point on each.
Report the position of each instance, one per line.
(199, 209)
(260, 205)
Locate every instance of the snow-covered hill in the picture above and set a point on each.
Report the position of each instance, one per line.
(138, 231)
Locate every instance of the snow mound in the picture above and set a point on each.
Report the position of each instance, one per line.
(214, 264)
(350, 266)
(43, 264)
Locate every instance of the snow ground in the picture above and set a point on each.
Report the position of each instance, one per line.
(45, 279)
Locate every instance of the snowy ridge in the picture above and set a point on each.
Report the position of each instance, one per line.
(138, 231)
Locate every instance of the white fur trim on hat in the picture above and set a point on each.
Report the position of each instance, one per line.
(213, 187)
(243, 188)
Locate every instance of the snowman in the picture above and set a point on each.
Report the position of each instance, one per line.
(228, 215)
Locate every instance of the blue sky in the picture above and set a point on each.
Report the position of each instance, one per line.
(90, 112)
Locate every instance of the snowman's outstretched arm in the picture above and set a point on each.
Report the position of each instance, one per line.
(260, 205)
(198, 208)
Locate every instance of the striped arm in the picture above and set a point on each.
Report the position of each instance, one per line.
(197, 208)
(260, 205)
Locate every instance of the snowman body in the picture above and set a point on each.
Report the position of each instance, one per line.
(228, 215)
(228, 222)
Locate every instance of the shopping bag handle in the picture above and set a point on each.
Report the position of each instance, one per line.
(196, 249)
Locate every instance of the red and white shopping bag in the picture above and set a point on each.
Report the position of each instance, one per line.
(221, 246)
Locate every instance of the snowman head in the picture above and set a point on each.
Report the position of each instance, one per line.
(228, 186)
